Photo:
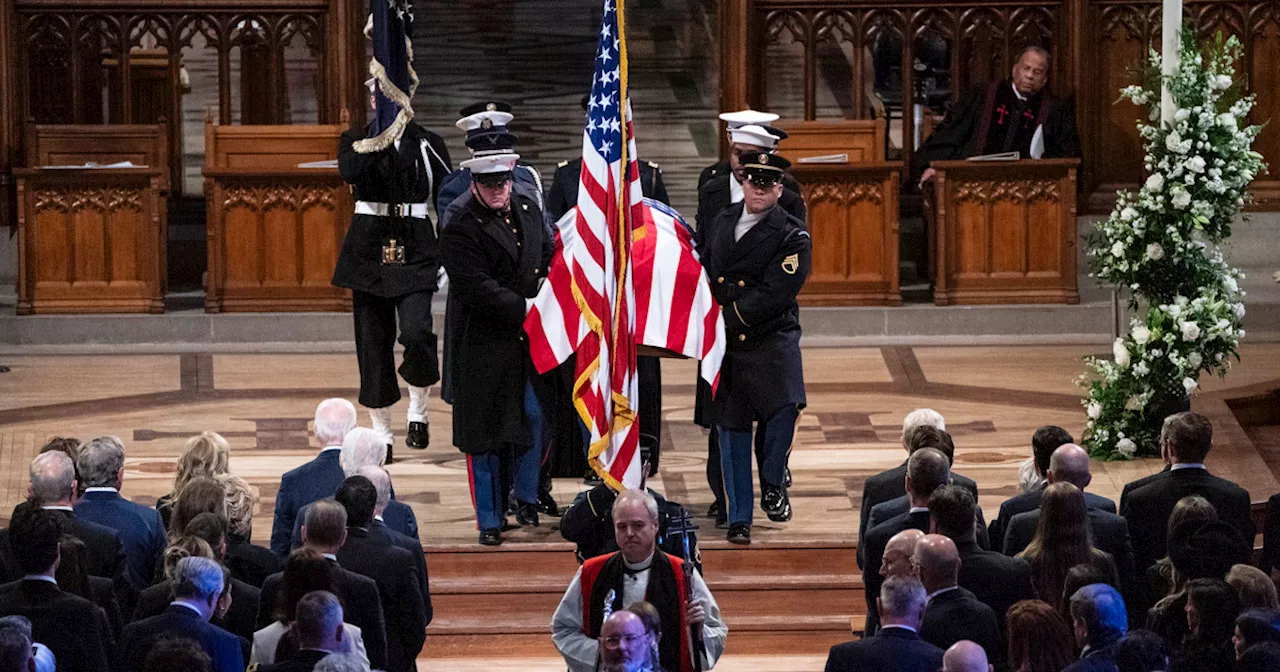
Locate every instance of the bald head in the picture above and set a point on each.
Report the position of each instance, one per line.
(965, 656)
(896, 559)
(937, 561)
(1070, 464)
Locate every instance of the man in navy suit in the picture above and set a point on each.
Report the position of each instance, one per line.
(1033, 475)
(1099, 619)
(316, 479)
(101, 464)
(1069, 463)
(197, 583)
(897, 647)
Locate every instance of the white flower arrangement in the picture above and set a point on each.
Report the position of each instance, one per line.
(1161, 244)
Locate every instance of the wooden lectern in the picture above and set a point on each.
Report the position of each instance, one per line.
(1004, 232)
(274, 229)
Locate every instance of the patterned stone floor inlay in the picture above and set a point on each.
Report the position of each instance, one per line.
(993, 398)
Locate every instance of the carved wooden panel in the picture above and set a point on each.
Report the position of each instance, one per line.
(853, 219)
(90, 241)
(1005, 233)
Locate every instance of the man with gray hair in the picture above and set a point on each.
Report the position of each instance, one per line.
(140, 529)
(638, 572)
(896, 647)
(317, 479)
(16, 651)
(317, 626)
(1099, 619)
(341, 662)
(197, 584)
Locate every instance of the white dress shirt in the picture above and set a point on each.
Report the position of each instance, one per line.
(735, 189)
(746, 222)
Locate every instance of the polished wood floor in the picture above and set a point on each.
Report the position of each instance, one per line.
(993, 399)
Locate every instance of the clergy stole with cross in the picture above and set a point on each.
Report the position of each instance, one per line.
(1009, 123)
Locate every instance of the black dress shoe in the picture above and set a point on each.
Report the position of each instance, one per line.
(715, 509)
(419, 435)
(490, 537)
(592, 478)
(776, 504)
(527, 514)
(547, 504)
(786, 477)
(739, 533)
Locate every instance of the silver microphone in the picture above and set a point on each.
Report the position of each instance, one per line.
(608, 605)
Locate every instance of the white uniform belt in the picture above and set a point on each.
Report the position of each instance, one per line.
(418, 210)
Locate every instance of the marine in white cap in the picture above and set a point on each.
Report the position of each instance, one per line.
(734, 120)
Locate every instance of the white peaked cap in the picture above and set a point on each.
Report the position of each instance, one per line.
(491, 163)
(747, 116)
(473, 122)
(753, 135)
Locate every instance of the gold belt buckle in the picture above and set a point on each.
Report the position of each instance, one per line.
(392, 254)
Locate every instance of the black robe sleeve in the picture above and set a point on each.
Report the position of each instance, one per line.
(951, 138)
(1061, 140)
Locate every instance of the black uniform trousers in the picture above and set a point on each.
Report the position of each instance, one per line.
(375, 324)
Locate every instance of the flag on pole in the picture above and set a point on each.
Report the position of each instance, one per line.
(389, 27)
(624, 273)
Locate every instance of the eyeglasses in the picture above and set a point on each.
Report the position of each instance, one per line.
(614, 640)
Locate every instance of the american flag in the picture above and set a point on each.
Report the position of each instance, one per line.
(616, 247)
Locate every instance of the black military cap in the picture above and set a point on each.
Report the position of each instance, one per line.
(485, 106)
(776, 132)
(491, 140)
(762, 168)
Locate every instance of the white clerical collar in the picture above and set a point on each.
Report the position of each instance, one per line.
(184, 603)
(918, 509)
(1017, 93)
(57, 507)
(330, 556)
(1188, 465)
(638, 566)
(40, 577)
(929, 598)
(897, 625)
(101, 488)
(329, 448)
(379, 518)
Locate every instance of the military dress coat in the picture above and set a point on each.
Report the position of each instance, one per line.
(491, 273)
(755, 280)
(410, 174)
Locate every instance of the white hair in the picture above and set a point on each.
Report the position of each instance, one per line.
(362, 447)
(921, 417)
(901, 595)
(198, 578)
(381, 481)
(53, 477)
(341, 662)
(635, 496)
(335, 417)
(100, 460)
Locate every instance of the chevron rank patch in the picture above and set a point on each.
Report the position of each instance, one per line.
(791, 264)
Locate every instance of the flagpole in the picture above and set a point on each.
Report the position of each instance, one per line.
(1170, 26)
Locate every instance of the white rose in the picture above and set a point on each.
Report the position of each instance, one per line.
(1180, 199)
(1126, 447)
(1189, 385)
(1155, 252)
(1172, 141)
(1128, 214)
(1195, 164)
(1194, 360)
(1155, 181)
(1121, 352)
(1222, 82)
(1239, 310)
(1174, 310)
(1093, 410)
(1231, 284)
(1117, 249)
(1140, 334)
(1182, 115)
(1133, 404)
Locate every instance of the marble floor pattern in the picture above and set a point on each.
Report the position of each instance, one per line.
(993, 399)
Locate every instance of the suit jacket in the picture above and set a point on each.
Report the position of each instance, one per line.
(103, 594)
(361, 607)
(1030, 501)
(139, 528)
(240, 619)
(891, 484)
(402, 608)
(997, 580)
(105, 553)
(1099, 659)
(382, 533)
(73, 628)
(249, 563)
(139, 637)
(893, 650)
(1110, 534)
(302, 661)
(877, 538)
(562, 196)
(398, 517)
(956, 615)
(1147, 504)
(310, 482)
(896, 507)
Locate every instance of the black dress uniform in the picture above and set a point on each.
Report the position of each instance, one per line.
(390, 260)
(495, 262)
(756, 280)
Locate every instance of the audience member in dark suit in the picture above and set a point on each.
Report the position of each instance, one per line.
(951, 613)
(1099, 618)
(995, 579)
(249, 563)
(17, 651)
(923, 428)
(1147, 503)
(897, 647)
(1062, 541)
(73, 628)
(206, 455)
(101, 468)
(317, 629)
(1039, 638)
(927, 470)
(393, 570)
(316, 479)
(325, 530)
(177, 654)
(73, 577)
(380, 532)
(1271, 538)
(1141, 651)
(966, 656)
(1212, 608)
(197, 587)
(1072, 465)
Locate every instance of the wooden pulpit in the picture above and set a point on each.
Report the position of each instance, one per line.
(274, 228)
(1004, 232)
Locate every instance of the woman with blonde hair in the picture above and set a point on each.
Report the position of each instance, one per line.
(1255, 589)
(206, 455)
(247, 562)
(1062, 541)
